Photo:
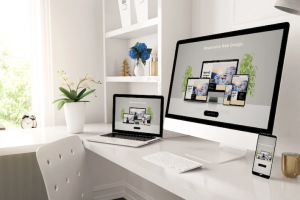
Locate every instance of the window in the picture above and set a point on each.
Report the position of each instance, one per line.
(15, 62)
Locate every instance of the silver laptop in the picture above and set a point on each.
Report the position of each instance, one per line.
(137, 121)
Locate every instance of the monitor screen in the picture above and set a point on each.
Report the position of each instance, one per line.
(243, 68)
(138, 114)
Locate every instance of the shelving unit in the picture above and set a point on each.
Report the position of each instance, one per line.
(133, 79)
(134, 31)
(159, 33)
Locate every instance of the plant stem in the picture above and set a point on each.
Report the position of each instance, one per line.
(80, 83)
(67, 84)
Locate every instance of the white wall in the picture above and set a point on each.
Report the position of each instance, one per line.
(210, 17)
(77, 48)
(176, 24)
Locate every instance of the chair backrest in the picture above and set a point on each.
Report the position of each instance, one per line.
(65, 170)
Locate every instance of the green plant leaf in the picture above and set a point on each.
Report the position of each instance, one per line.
(136, 43)
(138, 56)
(149, 51)
(74, 94)
(63, 95)
(80, 93)
(144, 62)
(133, 48)
(60, 105)
(59, 100)
(87, 93)
(149, 112)
(187, 74)
(63, 90)
(122, 113)
(246, 67)
(83, 101)
(69, 101)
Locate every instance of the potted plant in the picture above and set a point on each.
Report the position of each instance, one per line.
(187, 74)
(139, 52)
(73, 102)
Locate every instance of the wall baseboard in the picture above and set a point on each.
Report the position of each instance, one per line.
(118, 190)
(132, 193)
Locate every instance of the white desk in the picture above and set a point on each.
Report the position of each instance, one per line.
(17, 141)
(231, 180)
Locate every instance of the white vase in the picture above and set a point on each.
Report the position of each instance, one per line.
(75, 116)
(139, 68)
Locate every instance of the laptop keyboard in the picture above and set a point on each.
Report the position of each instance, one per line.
(129, 137)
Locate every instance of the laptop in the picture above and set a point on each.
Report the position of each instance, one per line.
(137, 121)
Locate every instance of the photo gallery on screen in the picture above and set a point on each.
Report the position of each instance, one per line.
(218, 76)
(137, 116)
(264, 155)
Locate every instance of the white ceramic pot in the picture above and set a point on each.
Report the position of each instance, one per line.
(75, 116)
(139, 69)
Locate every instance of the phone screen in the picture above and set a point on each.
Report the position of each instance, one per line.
(264, 155)
(227, 95)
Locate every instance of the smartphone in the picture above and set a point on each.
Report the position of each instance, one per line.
(264, 155)
(227, 95)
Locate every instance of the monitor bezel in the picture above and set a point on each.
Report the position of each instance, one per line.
(281, 26)
(161, 98)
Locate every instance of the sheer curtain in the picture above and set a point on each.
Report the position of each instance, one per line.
(42, 90)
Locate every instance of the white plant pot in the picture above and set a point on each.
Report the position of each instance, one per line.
(75, 116)
(139, 69)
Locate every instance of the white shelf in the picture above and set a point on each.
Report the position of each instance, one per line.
(133, 79)
(134, 31)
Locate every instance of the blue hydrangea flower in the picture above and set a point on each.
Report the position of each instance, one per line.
(141, 47)
(132, 53)
(145, 55)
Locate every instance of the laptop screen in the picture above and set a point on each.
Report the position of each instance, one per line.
(138, 114)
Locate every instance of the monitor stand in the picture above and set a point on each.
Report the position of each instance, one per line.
(223, 153)
(215, 100)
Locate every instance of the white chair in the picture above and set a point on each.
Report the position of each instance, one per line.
(65, 171)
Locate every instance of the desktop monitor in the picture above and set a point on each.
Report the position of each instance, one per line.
(243, 71)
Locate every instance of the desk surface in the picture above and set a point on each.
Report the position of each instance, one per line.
(232, 180)
(17, 141)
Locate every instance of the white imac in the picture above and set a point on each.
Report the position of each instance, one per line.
(244, 69)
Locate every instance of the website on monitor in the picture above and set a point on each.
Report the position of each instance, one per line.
(239, 70)
(138, 114)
